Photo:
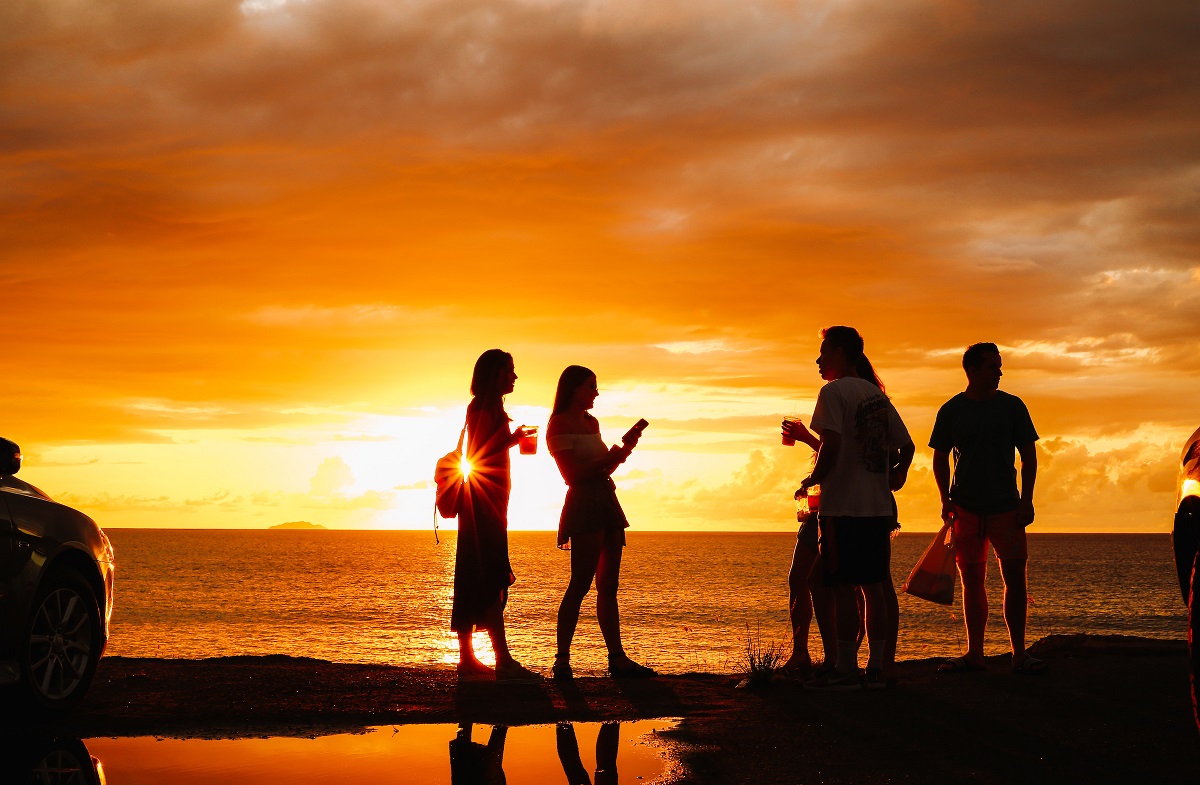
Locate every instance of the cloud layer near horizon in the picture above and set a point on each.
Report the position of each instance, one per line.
(226, 216)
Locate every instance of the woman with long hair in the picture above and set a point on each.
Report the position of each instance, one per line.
(863, 457)
(592, 525)
(482, 571)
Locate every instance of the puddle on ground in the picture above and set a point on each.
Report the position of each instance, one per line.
(583, 753)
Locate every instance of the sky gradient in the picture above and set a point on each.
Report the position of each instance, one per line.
(252, 250)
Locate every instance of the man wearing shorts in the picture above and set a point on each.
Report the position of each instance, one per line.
(982, 427)
(865, 452)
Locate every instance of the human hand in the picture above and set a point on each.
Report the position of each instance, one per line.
(1025, 513)
(794, 429)
(948, 514)
(897, 478)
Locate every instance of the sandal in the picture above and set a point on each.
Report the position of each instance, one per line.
(959, 665)
(562, 671)
(1030, 665)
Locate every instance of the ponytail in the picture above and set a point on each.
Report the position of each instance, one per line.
(850, 342)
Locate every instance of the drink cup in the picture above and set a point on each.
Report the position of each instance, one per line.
(803, 511)
(814, 499)
(788, 441)
(528, 442)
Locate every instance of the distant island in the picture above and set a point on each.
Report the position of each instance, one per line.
(297, 525)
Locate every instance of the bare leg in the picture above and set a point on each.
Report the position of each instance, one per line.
(845, 597)
(800, 607)
(608, 579)
(975, 608)
(585, 557)
(823, 610)
(1016, 605)
(877, 621)
(496, 631)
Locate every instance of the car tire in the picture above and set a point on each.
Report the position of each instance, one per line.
(61, 645)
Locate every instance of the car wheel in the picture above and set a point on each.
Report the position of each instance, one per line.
(62, 643)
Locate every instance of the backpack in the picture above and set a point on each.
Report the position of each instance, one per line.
(449, 480)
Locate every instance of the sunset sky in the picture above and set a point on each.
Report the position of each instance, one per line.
(250, 251)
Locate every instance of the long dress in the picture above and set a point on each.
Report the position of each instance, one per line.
(591, 504)
(482, 571)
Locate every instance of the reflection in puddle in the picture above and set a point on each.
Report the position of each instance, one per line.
(578, 754)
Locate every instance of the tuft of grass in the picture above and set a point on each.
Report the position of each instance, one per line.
(762, 658)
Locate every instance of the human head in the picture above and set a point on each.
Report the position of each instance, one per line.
(493, 376)
(571, 379)
(850, 344)
(982, 363)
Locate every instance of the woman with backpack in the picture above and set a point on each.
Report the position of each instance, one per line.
(482, 571)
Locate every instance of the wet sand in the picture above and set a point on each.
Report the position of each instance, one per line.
(1109, 709)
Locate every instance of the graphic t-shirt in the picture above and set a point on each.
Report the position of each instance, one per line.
(982, 437)
(870, 428)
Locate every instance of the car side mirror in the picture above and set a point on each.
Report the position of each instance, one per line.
(10, 457)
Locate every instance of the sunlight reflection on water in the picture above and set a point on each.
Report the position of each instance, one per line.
(412, 754)
(687, 600)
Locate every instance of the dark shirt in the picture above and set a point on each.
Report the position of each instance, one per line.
(982, 437)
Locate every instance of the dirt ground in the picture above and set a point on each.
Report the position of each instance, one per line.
(1109, 709)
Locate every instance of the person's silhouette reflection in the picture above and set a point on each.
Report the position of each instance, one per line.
(606, 754)
(472, 763)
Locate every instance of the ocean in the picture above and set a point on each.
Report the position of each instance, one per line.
(689, 601)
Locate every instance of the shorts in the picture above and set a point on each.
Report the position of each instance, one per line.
(856, 550)
(809, 534)
(972, 533)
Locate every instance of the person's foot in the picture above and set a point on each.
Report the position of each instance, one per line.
(961, 665)
(511, 670)
(562, 669)
(1028, 665)
(797, 667)
(874, 680)
(624, 668)
(835, 681)
(474, 670)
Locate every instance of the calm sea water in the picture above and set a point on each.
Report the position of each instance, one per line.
(688, 601)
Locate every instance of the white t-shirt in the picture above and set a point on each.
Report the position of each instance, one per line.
(870, 428)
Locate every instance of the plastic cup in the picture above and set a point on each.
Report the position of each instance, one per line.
(788, 441)
(528, 442)
(814, 498)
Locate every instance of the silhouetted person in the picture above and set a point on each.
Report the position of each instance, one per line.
(1186, 538)
(982, 427)
(606, 754)
(592, 525)
(864, 456)
(482, 571)
(472, 763)
(808, 597)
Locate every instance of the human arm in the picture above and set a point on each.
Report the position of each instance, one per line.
(571, 465)
(1028, 452)
(899, 462)
(794, 429)
(941, 475)
(827, 452)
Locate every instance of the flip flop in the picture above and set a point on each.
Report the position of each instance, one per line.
(1030, 665)
(959, 665)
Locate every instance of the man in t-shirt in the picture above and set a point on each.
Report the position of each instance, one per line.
(982, 427)
(864, 455)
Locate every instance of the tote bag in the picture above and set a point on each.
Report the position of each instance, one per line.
(933, 577)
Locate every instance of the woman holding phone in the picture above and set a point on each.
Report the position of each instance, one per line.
(592, 525)
(482, 571)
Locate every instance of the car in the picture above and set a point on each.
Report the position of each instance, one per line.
(56, 593)
(1186, 538)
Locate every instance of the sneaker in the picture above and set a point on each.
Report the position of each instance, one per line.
(833, 681)
(874, 679)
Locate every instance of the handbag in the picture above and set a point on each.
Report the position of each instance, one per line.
(933, 577)
(449, 481)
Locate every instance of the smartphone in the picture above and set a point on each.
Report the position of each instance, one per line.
(635, 431)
